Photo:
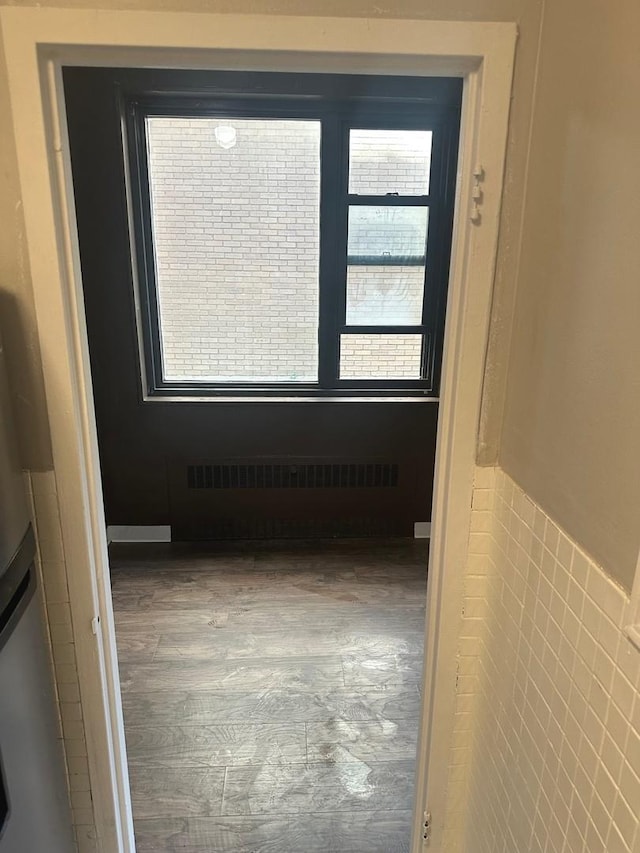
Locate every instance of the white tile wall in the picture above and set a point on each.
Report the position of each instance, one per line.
(547, 732)
(41, 488)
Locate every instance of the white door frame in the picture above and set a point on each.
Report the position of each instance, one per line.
(37, 43)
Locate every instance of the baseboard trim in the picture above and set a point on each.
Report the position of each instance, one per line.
(138, 533)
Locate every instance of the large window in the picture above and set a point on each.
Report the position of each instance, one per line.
(293, 234)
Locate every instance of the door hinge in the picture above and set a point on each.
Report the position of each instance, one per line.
(426, 829)
(477, 194)
(95, 625)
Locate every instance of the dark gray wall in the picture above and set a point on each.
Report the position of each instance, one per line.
(143, 444)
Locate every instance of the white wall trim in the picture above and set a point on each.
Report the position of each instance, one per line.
(139, 533)
(37, 42)
(422, 530)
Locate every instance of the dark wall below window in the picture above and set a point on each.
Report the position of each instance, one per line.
(145, 451)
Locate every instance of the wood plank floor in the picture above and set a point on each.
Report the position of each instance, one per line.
(271, 693)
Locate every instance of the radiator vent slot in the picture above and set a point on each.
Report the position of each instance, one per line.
(288, 475)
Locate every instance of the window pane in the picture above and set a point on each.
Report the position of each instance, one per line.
(380, 356)
(384, 296)
(235, 214)
(389, 161)
(387, 234)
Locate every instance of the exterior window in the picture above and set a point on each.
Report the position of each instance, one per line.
(289, 244)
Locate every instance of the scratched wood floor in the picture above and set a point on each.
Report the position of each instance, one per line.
(271, 693)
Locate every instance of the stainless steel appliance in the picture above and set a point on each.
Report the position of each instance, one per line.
(34, 808)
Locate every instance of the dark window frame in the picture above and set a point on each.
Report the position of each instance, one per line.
(340, 103)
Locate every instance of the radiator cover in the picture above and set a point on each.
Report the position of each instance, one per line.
(288, 475)
(276, 498)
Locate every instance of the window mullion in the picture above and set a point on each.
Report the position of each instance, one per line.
(332, 248)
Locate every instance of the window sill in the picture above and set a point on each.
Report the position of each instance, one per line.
(369, 398)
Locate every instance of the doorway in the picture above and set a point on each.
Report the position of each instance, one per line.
(265, 260)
